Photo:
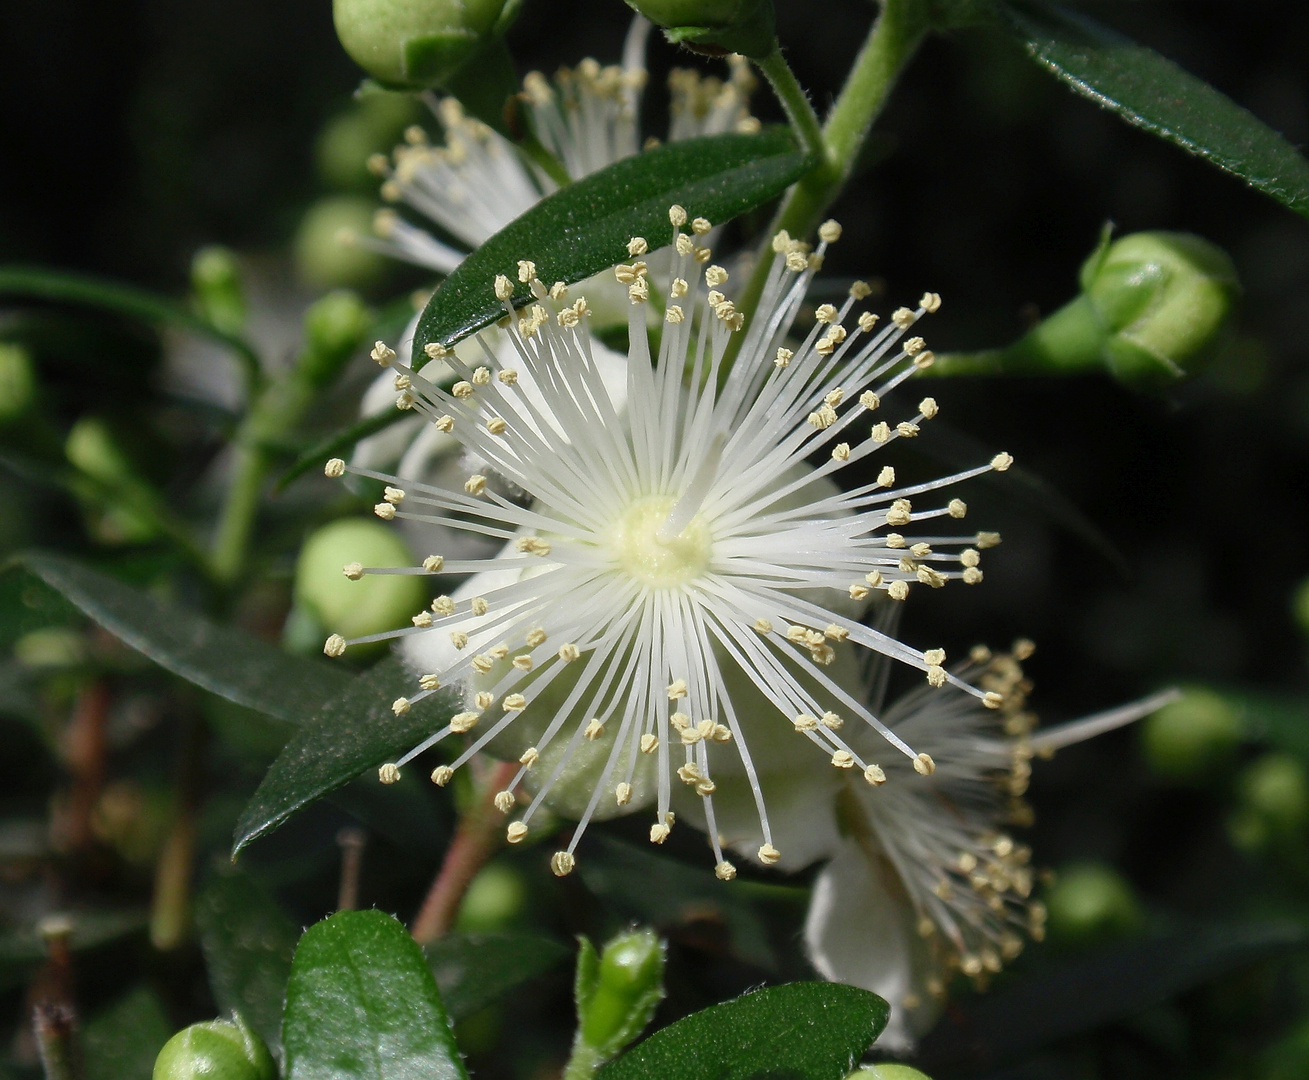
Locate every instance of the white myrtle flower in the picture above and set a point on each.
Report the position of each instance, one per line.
(926, 882)
(680, 582)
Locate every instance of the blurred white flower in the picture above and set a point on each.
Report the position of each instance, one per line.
(680, 583)
(925, 881)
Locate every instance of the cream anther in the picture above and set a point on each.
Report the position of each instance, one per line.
(334, 468)
(388, 773)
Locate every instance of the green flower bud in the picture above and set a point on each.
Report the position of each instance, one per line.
(374, 602)
(743, 26)
(335, 327)
(1090, 902)
(215, 1050)
(888, 1070)
(1163, 298)
(1191, 738)
(326, 253)
(494, 900)
(373, 124)
(92, 448)
(17, 381)
(414, 43)
(216, 288)
(618, 993)
(1153, 309)
(1275, 790)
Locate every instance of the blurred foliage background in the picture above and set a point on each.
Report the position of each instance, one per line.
(1154, 539)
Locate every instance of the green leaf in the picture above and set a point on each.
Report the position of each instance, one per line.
(352, 732)
(220, 659)
(584, 228)
(473, 970)
(1097, 990)
(362, 1004)
(803, 1031)
(122, 1041)
(248, 944)
(46, 284)
(1153, 93)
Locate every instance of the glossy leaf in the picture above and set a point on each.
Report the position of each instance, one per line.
(45, 284)
(1097, 990)
(350, 733)
(803, 1031)
(362, 1003)
(223, 660)
(248, 944)
(473, 970)
(1153, 93)
(584, 228)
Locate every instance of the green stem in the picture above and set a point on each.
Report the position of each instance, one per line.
(804, 121)
(583, 1061)
(896, 34)
(1068, 341)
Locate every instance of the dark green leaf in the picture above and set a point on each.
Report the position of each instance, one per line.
(122, 1042)
(248, 944)
(1098, 989)
(584, 228)
(220, 659)
(362, 1004)
(1153, 93)
(473, 970)
(804, 1031)
(340, 443)
(352, 732)
(46, 284)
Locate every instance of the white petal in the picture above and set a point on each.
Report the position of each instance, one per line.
(861, 932)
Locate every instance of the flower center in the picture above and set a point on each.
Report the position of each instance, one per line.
(661, 563)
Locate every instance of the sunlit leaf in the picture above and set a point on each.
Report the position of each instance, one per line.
(584, 227)
(1153, 93)
(803, 1031)
(362, 1003)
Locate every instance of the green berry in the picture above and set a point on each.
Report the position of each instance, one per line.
(215, 1050)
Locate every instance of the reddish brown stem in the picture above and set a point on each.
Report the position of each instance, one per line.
(476, 838)
(351, 842)
(86, 747)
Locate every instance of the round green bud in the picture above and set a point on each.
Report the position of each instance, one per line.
(1090, 902)
(1189, 739)
(17, 381)
(1164, 299)
(1300, 605)
(744, 26)
(373, 603)
(888, 1070)
(335, 327)
(494, 900)
(215, 1050)
(629, 984)
(326, 253)
(92, 448)
(413, 43)
(51, 647)
(216, 286)
(1275, 789)
(372, 124)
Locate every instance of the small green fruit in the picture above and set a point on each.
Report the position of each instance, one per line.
(1191, 738)
(1090, 902)
(373, 603)
(215, 1050)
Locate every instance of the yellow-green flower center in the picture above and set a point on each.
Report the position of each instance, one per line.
(659, 563)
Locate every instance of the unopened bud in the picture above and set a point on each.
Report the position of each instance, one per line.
(326, 255)
(888, 1070)
(414, 43)
(619, 991)
(1090, 902)
(216, 288)
(741, 26)
(215, 1050)
(1272, 802)
(335, 327)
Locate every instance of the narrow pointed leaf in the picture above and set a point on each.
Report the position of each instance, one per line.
(223, 660)
(350, 733)
(1153, 93)
(473, 970)
(803, 1031)
(362, 1003)
(584, 228)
